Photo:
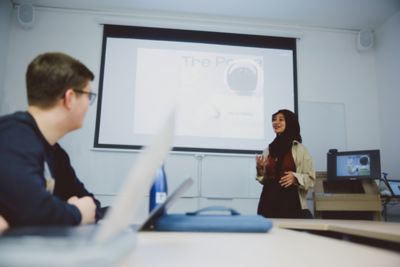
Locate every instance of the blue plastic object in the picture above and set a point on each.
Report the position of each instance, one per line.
(159, 190)
(200, 222)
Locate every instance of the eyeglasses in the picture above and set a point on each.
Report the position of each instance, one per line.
(91, 95)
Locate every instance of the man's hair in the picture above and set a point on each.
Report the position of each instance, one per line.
(49, 75)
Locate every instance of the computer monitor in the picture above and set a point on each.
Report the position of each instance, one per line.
(353, 165)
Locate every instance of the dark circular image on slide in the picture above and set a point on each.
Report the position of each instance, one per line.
(242, 76)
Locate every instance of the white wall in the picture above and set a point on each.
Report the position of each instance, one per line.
(5, 23)
(388, 73)
(330, 70)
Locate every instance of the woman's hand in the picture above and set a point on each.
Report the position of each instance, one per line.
(288, 179)
(261, 162)
(3, 224)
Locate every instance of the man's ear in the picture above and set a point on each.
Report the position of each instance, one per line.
(69, 98)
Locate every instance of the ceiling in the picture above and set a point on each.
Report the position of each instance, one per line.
(335, 14)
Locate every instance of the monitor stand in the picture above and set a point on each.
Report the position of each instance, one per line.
(343, 187)
(355, 206)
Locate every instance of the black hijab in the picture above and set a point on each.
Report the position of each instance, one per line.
(283, 142)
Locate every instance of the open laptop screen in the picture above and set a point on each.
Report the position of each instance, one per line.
(160, 209)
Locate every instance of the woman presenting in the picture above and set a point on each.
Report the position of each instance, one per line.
(286, 171)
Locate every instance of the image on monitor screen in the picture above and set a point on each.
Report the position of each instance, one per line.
(353, 165)
(362, 164)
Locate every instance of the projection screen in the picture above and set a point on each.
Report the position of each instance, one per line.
(224, 88)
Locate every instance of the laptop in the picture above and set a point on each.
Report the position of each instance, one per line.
(162, 208)
(394, 187)
(99, 245)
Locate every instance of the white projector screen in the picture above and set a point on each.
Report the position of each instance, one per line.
(224, 88)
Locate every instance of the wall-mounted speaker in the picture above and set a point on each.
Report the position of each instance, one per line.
(365, 40)
(26, 15)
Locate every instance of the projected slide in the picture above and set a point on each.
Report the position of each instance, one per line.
(218, 95)
(224, 94)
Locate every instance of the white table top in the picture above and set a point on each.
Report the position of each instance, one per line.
(387, 231)
(279, 247)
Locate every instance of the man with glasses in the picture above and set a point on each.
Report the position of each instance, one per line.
(38, 186)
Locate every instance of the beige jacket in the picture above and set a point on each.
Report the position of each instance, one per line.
(305, 172)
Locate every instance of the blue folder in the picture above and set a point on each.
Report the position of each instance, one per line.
(200, 221)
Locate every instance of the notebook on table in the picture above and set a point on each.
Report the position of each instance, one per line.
(91, 245)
